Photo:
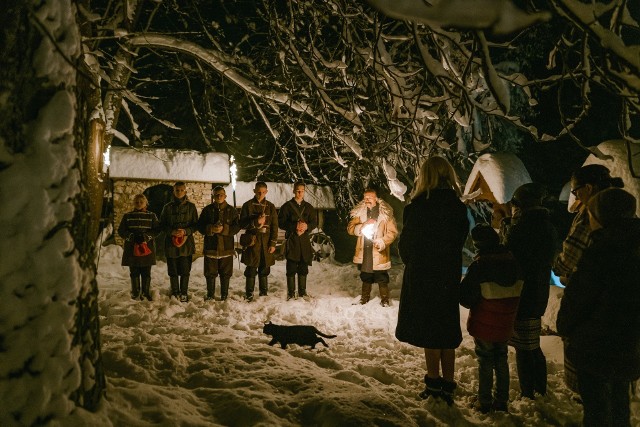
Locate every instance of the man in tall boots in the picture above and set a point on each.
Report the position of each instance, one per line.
(259, 218)
(178, 221)
(373, 223)
(297, 218)
(218, 222)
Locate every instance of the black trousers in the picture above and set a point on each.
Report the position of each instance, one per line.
(180, 266)
(144, 272)
(605, 401)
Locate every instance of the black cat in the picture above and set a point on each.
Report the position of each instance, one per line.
(301, 335)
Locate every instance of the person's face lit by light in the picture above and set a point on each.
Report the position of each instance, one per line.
(370, 200)
(260, 193)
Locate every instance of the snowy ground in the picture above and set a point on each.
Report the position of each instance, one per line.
(208, 363)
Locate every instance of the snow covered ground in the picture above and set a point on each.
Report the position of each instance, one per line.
(208, 363)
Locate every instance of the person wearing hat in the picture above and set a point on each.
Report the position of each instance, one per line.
(178, 220)
(138, 229)
(491, 291)
(532, 239)
(600, 310)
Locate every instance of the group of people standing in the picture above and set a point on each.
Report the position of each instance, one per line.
(219, 222)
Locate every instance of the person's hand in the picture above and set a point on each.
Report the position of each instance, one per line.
(379, 244)
(370, 221)
(178, 232)
(301, 227)
(272, 249)
(217, 228)
(262, 219)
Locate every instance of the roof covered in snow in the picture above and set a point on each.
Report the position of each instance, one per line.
(168, 165)
(503, 173)
(321, 197)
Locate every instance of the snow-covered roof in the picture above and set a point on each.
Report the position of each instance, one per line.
(321, 197)
(168, 165)
(503, 173)
(616, 152)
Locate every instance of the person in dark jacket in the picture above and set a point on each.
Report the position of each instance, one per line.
(178, 220)
(138, 229)
(259, 218)
(297, 218)
(600, 310)
(435, 229)
(532, 239)
(491, 290)
(218, 223)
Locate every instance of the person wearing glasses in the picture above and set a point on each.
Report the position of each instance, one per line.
(218, 223)
(586, 182)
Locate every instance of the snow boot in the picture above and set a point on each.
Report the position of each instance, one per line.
(448, 388)
(146, 288)
(384, 294)
(291, 287)
(250, 285)
(135, 287)
(184, 288)
(175, 286)
(224, 288)
(263, 286)
(211, 288)
(302, 286)
(433, 387)
(366, 293)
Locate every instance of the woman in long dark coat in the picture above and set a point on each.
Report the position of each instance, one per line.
(435, 227)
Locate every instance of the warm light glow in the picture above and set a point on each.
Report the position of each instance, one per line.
(232, 170)
(368, 231)
(106, 160)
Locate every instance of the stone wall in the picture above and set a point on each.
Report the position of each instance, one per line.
(198, 193)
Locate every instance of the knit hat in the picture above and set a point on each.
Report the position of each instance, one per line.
(528, 196)
(484, 236)
(612, 205)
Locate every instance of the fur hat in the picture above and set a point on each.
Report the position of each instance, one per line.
(484, 236)
(612, 205)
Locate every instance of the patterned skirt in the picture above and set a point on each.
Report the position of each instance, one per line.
(526, 334)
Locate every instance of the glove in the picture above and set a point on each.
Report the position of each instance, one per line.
(138, 238)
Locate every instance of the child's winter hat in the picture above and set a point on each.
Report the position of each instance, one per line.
(610, 206)
(484, 236)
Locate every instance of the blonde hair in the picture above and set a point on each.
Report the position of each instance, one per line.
(435, 172)
(141, 197)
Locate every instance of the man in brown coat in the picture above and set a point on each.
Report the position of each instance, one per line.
(372, 221)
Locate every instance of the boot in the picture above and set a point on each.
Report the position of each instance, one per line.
(135, 287)
(184, 288)
(224, 288)
(433, 387)
(146, 288)
(366, 293)
(291, 287)
(263, 286)
(211, 288)
(175, 286)
(249, 287)
(302, 286)
(384, 294)
(448, 387)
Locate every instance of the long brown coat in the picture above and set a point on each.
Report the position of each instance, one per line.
(251, 210)
(297, 247)
(386, 232)
(220, 244)
(179, 214)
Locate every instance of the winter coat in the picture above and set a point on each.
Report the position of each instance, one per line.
(491, 290)
(145, 224)
(532, 239)
(179, 213)
(573, 246)
(265, 237)
(385, 233)
(600, 309)
(297, 247)
(221, 244)
(435, 229)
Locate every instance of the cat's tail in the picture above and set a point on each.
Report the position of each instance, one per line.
(324, 335)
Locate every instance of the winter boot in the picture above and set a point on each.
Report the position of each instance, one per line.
(249, 288)
(211, 288)
(224, 288)
(146, 288)
(135, 287)
(448, 388)
(366, 293)
(433, 387)
(302, 286)
(263, 285)
(291, 287)
(384, 294)
(184, 288)
(175, 286)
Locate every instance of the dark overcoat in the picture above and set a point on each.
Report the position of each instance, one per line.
(139, 222)
(221, 244)
(600, 308)
(435, 227)
(179, 213)
(297, 247)
(251, 211)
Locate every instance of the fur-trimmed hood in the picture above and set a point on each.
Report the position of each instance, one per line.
(385, 211)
